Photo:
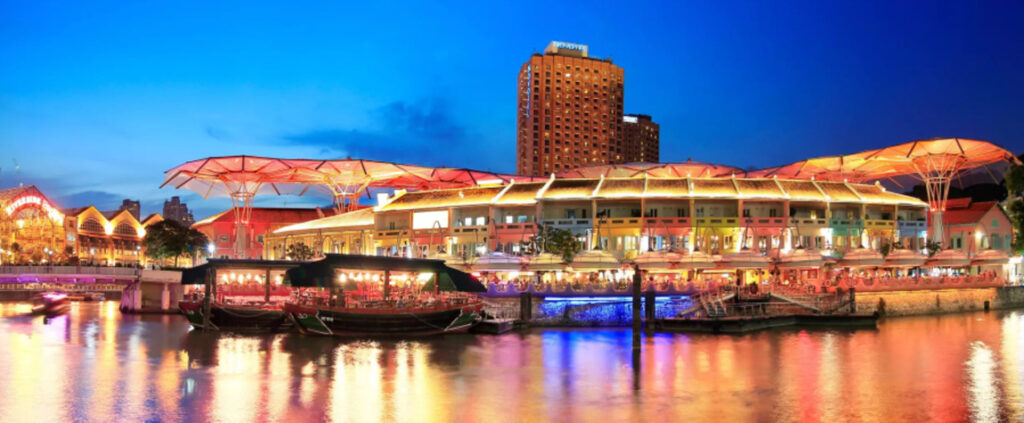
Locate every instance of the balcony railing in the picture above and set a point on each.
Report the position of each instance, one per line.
(801, 221)
(766, 221)
(879, 224)
(732, 222)
(846, 223)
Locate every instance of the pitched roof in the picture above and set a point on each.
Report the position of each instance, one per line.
(352, 219)
(266, 214)
(443, 198)
(969, 214)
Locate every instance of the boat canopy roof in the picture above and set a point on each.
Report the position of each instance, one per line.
(196, 275)
(321, 273)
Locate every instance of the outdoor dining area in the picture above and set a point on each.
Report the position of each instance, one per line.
(598, 273)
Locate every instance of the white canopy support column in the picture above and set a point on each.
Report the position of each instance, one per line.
(242, 194)
(936, 171)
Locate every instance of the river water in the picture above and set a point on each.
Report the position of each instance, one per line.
(95, 364)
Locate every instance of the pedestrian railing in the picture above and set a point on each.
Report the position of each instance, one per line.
(69, 270)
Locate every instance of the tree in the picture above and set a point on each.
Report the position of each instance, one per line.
(932, 247)
(888, 247)
(555, 241)
(170, 239)
(300, 252)
(1014, 180)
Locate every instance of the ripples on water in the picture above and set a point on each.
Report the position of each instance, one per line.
(97, 365)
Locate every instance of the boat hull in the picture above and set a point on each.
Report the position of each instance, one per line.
(237, 318)
(348, 322)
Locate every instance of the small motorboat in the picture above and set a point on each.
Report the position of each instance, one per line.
(51, 304)
(87, 296)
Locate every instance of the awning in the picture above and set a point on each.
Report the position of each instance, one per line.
(321, 273)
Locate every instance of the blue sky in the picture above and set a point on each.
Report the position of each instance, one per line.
(97, 99)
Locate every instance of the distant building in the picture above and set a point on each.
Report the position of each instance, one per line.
(133, 207)
(569, 111)
(639, 139)
(175, 210)
(221, 230)
(975, 226)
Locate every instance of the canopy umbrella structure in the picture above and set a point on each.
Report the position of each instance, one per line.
(935, 163)
(948, 258)
(450, 260)
(545, 262)
(744, 259)
(990, 258)
(904, 258)
(657, 261)
(594, 260)
(242, 178)
(497, 261)
(688, 168)
(861, 257)
(694, 260)
(801, 258)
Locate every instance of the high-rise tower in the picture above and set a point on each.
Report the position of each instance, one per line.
(570, 111)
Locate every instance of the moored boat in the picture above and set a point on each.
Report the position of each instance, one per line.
(236, 317)
(443, 317)
(352, 295)
(244, 295)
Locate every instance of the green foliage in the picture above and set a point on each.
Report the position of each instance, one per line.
(1014, 180)
(299, 252)
(554, 241)
(888, 247)
(170, 239)
(932, 247)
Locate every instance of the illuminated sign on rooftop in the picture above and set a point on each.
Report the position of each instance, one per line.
(562, 47)
(34, 200)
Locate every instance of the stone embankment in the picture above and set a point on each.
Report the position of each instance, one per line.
(913, 303)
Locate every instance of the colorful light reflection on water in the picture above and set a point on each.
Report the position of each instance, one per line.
(97, 365)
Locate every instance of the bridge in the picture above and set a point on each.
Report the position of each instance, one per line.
(23, 282)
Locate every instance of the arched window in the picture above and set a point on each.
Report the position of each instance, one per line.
(125, 229)
(91, 225)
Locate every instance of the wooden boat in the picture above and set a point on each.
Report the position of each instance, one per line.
(417, 321)
(234, 310)
(241, 318)
(433, 297)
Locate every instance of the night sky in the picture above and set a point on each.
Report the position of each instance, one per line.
(98, 99)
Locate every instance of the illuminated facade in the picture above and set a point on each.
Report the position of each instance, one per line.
(222, 230)
(569, 111)
(347, 233)
(627, 216)
(33, 230)
(107, 239)
(31, 227)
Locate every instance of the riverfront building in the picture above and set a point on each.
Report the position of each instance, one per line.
(624, 216)
(222, 230)
(34, 230)
(569, 111)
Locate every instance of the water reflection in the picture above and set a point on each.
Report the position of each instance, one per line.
(97, 365)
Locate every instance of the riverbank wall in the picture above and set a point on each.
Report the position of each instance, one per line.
(915, 303)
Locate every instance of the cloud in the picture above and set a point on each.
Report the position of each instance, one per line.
(217, 132)
(422, 133)
(103, 200)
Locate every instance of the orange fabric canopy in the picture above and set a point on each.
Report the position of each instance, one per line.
(924, 158)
